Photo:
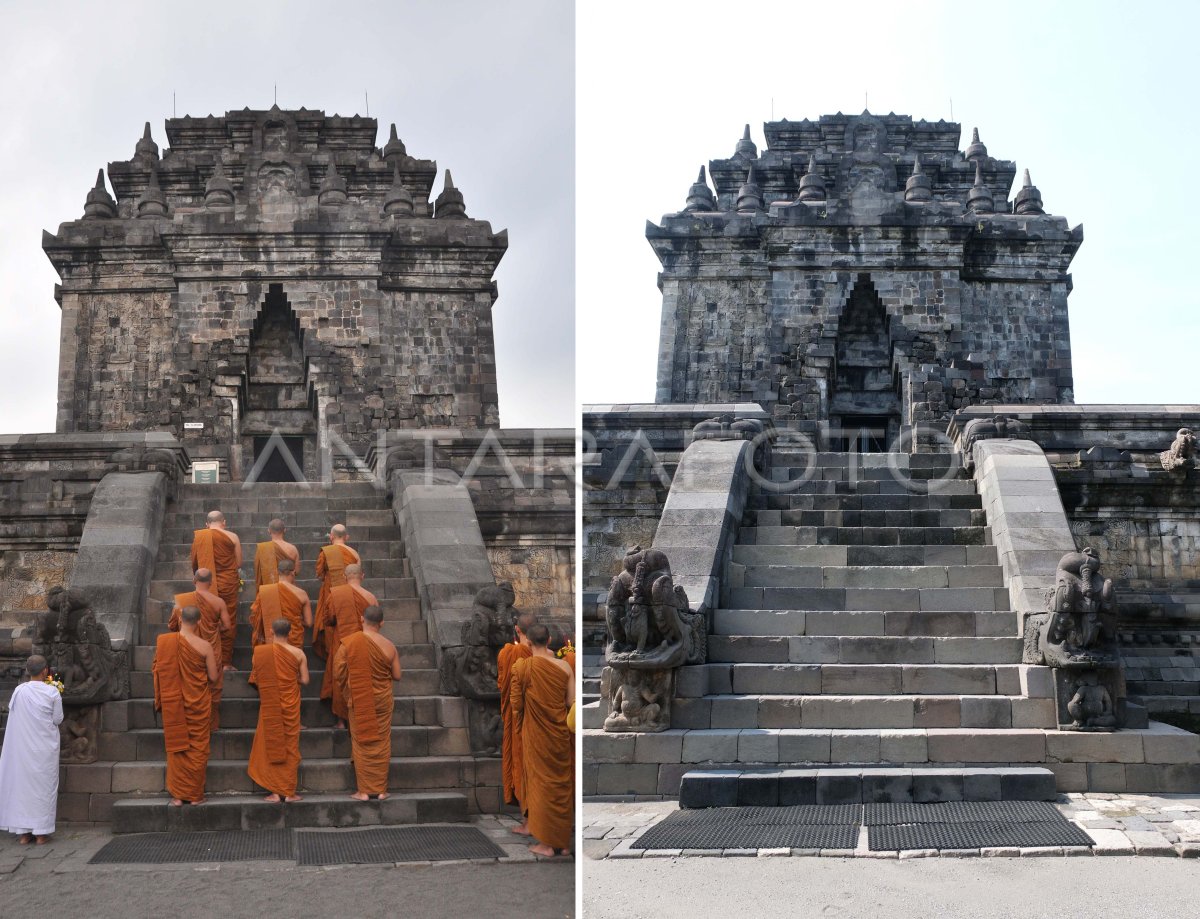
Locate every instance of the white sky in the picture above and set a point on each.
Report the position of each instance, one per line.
(486, 89)
(1097, 99)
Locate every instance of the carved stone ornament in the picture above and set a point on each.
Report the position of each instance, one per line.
(1181, 455)
(469, 670)
(727, 427)
(1079, 628)
(639, 700)
(1091, 706)
(989, 428)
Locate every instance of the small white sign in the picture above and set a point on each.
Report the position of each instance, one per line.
(206, 472)
(193, 425)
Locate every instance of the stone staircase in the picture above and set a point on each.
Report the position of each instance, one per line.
(865, 650)
(432, 767)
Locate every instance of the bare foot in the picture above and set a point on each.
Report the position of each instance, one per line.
(341, 725)
(176, 802)
(272, 799)
(522, 830)
(229, 667)
(24, 839)
(199, 801)
(359, 796)
(384, 796)
(42, 840)
(543, 850)
(293, 799)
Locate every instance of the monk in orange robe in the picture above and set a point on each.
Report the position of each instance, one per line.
(220, 551)
(512, 760)
(344, 617)
(366, 666)
(268, 555)
(279, 671)
(282, 599)
(185, 668)
(331, 568)
(214, 622)
(542, 692)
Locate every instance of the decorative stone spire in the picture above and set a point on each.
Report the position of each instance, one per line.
(812, 184)
(977, 151)
(99, 204)
(449, 204)
(152, 203)
(700, 196)
(749, 197)
(918, 189)
(146, 147)
(745, 146)
(218, 190)
(394, 147)
(1029, 199)
(332, 191)
(398, 202)
(979, 199)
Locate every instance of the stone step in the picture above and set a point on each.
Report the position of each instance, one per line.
(864, 679)
(867, 785)
(884, 486)
(170, 580)
(250, 812)
(315, 743)
(243, 713)
(863, 556)
(861, 502)
(236, 686)
(368, 549)
(812, 649)
(870, 576)
(314, 513)
(398, 631)
(158, 609)
(791, 473)
(249, 505)
(412, 656)
(308, 539)
(865, 536)
(412, 773)
(923, 599)
(262, 490)
(855, 518)
(894, 623)
(857, 711)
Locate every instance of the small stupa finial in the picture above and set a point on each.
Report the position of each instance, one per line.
(1029, 200)
(398, 202)
(332, 190)
(745, 146)
(449, 204)
(919, 187)
(979, 199)
(394, 147)
(976, 151)
(749, 198)
(146, 147)
(700, 196)
(99, 204)
(152, 203)
(812, 183)
(218, 190)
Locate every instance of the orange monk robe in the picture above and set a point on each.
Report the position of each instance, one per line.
(343, 619)
(364, 675)
(511, 762)
(276, 601)
(275, 753)
(539, 693)
(215, 551)
(208, 628)
(331, 565)
(181, 693)
(266, 563)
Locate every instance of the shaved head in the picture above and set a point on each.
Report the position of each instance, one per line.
(215, 517)
(190, 614)
(525, 621)
(276, 526)
(353, 571)
(36, 665)
(282, 628)
(286, 566)
(373, 614)
(202, 576)
(338, 531)
(538, 635)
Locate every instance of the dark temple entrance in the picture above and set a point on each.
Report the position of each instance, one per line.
(278, 449)
(865, 408)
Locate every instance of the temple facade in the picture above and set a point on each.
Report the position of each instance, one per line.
(274, 272)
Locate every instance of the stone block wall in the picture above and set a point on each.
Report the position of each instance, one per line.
(26, 576)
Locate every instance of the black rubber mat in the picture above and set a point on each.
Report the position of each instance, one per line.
(961, 812)
(163, 848)
(1061, 832)
(797, 827)
(798, 814)
(394, 844)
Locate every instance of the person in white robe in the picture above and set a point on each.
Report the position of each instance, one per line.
(29, 757)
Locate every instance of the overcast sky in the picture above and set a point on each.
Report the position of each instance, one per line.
(1097, 99)
(486, 89)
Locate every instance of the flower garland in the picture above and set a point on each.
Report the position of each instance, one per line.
(566, 649)
(53, 679)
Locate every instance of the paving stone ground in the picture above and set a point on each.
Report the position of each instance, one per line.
(57, 879)
(1121, 824)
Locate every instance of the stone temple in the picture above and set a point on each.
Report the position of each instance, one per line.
(864, 546)
(275, 300)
